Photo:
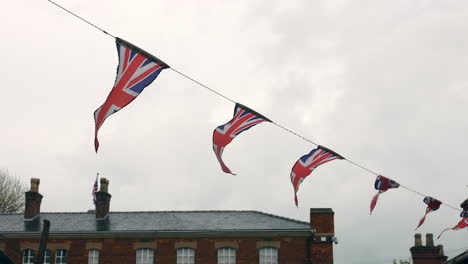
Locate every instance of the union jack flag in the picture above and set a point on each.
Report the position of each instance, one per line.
(243, 119)
(308, 163)
(462, 224)
(95, 189)
(136, 70)
(432, 205)
(382, 184)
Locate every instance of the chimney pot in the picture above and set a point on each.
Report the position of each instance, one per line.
(441, 250)
(104, 185)
(429, 240)
(35, 185)
(417, 240)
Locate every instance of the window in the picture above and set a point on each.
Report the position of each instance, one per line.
(144, 256)
(185, 256)
(268, 255)
(61, 256)
(28, 256)
(226, 255)
(47, 255)
(93, 256)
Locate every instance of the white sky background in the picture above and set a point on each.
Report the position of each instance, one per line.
(383, 83)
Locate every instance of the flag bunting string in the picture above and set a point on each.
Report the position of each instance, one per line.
(232, 101)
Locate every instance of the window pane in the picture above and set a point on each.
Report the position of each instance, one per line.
(226, 256)
(28, 256)
(144, 256)
(93, 257)
(47, 255)
(268, 255)
(61, 256)
(185, 256)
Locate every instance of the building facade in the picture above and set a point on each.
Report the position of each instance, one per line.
(166, 237)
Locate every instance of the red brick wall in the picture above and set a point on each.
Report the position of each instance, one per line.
(292, 250)
(427, 255)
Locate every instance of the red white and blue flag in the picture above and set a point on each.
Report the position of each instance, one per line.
(382, 184)
(95, 188)
(308, 163)
(462, 224)
(243, 119)
(136, 70)
(432, 205)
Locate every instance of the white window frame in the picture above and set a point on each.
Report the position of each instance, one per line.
(28, 256)
(226, 255)
(268, 255)
(47, 256)
(185, 255)
(93, 256)
(61, 256)
(145, 256)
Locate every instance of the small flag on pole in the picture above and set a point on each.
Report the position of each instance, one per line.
(136, 70)
(95, 188)
(382, 184)
(432, 205)
(308, 163)
(462, 224)
(243, 119)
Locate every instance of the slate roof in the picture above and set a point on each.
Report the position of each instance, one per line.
(162, 222)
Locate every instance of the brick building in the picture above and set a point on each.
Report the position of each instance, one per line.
(166, 237)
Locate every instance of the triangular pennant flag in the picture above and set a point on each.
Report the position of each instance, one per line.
(382, 184)
(432, 205)
(243, 119)
(307, 163)
(136, 70)
(462, 224)
(95, 188)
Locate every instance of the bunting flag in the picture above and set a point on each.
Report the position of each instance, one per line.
(462, 224)
(136, 70)
(307, 163)
(243, 119)
(382, 184)
(432, 205)
(95, 189)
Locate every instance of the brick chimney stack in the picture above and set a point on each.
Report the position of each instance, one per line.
(103, 200)
(322, 221)
(33, 201)
(428, 254)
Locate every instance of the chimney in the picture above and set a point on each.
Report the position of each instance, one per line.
(33, 200)
(428, 254)
(321, 247)
(322, 220)
(103, 200)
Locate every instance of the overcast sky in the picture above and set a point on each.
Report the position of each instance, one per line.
(383, 83)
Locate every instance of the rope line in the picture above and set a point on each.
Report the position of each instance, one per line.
(232, 101)
(201, 84)
(89, 23)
